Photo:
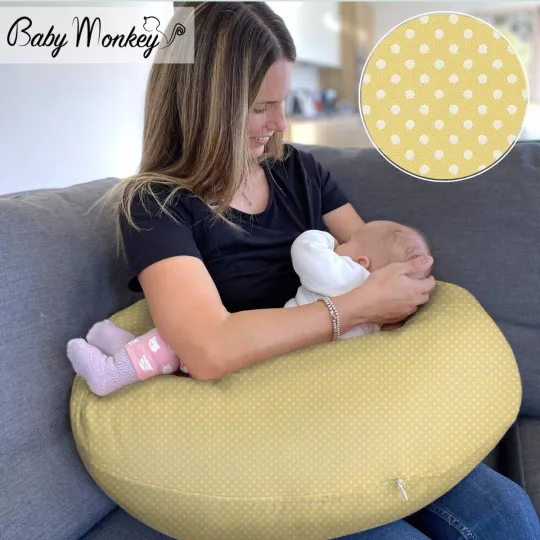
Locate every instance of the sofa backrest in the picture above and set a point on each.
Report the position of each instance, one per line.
(485, 233)
(58, 275)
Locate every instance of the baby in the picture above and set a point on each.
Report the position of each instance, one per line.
(111, 358)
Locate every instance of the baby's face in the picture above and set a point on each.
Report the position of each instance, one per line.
(379, 243)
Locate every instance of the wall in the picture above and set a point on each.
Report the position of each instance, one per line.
(314, 27)
(65, 124)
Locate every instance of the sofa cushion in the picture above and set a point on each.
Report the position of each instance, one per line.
(58, 275)
(119, 525)
(485, 233)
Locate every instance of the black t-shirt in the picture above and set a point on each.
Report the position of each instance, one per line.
(251, 270)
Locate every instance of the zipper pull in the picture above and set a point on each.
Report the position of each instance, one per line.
(399, 483)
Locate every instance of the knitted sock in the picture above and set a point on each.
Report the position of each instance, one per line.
(151, 356)
(103, 373)
(108, 337)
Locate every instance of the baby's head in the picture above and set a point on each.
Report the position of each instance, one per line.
(379, 243)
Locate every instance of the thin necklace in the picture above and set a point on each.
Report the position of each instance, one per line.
(250, 202)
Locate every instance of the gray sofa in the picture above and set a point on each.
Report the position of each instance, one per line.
(58, 275)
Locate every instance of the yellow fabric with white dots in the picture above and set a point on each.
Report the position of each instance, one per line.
(306, 446)
(443, 96)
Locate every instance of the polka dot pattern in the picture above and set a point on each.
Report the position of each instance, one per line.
(310, 444)
(446, 78)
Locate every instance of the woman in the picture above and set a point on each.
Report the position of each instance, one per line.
(208, 223)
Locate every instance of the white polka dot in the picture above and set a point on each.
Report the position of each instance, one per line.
(468, 64)
(395, 139)
(366, 109)
(512, 79)
(424, 48)
(439, 64)
(453, 109)
(367, 78)
(497, 64)
(497, 125)
(409, 154)
(439, 34)
(453, 169)
(481, 168)
(424, 139)
(424, 19)
(439, 154)
(439, 94)
(454, 79)
(439, 124)
(482, 109)
(454, 18)
(525, 94)
(409, 124)
(424, 109)
(512, 109)
(453, 49)
(424, 169)
(409, 64)
(409, 33)
(497, 154)
(497, 94)
(424, 79)
(482, 48)
(467, 94)
(453, 139)
(467, 154)
(482, 139)
(396, 109)
(381, 63)
(482, 78)
(409, 94)
(511, 50)
(496, 35)
(468, 124)
(511, 139)
(395, 78)
(395, 48)
(380, 94)
(468, 34)
(381, 124)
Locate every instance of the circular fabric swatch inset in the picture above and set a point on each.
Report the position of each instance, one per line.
(443, 96)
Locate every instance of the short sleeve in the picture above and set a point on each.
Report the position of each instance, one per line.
(332, 196)
(159, 236)
(330, 193)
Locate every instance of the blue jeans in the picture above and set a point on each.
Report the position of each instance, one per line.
(485, 505)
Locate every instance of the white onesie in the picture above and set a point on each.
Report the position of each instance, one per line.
(323, 272)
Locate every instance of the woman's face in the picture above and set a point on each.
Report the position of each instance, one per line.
(267, 114)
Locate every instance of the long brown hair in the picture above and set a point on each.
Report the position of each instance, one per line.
(195, 119)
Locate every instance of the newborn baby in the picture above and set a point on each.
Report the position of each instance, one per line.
(111, 357)
(327, 268)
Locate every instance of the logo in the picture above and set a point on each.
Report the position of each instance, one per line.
(96, 35)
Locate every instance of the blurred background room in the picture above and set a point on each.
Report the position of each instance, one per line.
(71, 123)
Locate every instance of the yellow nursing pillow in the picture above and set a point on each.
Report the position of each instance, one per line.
(309, 445)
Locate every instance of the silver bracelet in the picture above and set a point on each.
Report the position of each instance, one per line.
(334, 316)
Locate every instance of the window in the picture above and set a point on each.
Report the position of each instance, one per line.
(520, 26)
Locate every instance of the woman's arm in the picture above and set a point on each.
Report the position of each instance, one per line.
(342, 222)
(188, 313)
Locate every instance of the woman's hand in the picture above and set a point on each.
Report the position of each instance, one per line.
(390, 294)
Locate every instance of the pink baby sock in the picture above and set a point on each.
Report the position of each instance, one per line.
(103, 373)
(108, 337)
(151, 356)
